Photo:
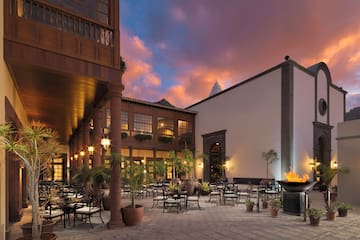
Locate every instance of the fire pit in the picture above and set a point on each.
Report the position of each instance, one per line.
(296, 186)
(295, 197)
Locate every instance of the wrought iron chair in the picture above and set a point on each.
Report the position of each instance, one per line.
(92, 208)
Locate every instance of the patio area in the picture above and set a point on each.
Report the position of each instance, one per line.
(212, 222)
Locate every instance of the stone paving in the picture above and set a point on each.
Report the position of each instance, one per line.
(214, 221)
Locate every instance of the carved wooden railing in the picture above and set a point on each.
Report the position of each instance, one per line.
(63, 20)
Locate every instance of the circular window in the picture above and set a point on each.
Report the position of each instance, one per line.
(322, 106)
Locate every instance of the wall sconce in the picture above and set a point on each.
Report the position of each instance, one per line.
(105, 142)
(76, 156)
(334, 165)
(71, 158)
(82, 153)
(201, 165)
(91, 149)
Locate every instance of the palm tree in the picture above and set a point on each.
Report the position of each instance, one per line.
(36, 146)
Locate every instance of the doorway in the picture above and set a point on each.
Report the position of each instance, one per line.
(217, 172)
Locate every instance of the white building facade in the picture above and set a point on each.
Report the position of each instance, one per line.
(289, 108)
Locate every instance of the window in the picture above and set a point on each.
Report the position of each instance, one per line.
(184, 128)
(165, 126)
(143, 123)
(124, 121)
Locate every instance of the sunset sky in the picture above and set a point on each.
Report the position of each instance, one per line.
(177, 49)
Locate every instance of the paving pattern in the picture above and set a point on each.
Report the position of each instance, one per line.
(215, 222)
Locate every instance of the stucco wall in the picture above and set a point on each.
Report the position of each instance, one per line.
(322, 86)
(348, 155)
(251, 115)
(336, 111)
(304, 99)
(7, 89)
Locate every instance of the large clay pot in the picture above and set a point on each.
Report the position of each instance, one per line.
(44, 236)
(189, 186)
(132, 216)
(249, 207)
(274, 212)
(330, 215)
(47, 227)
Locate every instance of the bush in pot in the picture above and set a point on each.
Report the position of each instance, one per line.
(343, 209)
(133, 176)
(249, 205)
(314, 215)
(331, 211)
(275, 205)
(36, 146)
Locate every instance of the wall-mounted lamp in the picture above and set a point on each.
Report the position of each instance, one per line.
(91, 149)
(201, 165)
(105, 142)
(334, 165)
(82, 153)
(76, 156)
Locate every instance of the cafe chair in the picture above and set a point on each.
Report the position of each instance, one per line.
(92, 208)
(193, 199)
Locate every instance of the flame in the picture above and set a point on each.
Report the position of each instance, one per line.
(294, 177)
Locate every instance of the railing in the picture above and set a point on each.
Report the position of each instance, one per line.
(63, 20)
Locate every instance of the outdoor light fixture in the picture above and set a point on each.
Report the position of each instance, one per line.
(334, 165)
(105, 142)
(91, 149)
(82, 153)
(76, 156)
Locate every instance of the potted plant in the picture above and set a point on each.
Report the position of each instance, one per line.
(249, 205)
(331, 211)
(314, 215)
(269, 156)
(133, 176)
(327, 174)
(204, 188)
(275, 205)
(343, 209)
(36, 146)
(100, 177)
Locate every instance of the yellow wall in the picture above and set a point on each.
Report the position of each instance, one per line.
(7, 89)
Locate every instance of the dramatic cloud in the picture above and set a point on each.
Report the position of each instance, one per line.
(181, 47)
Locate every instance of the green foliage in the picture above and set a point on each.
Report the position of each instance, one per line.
(343, 206)
(327, 173)
(166, 139)
(270, 156)
(142, 137)
(332, 206)
(35, 145)
(249, 202)
(275, 203)
(205, 186)
(100, 174)
(82, 177)
(132, 175)
(315, 213)
(159, 168)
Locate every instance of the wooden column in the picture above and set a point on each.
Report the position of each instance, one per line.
(115, 90)
(98, 124)
(86, 142)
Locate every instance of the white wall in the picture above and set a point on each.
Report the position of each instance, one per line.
(304, 99)
(349, 156)
(251, 115)
(336, 111)
(321, 93)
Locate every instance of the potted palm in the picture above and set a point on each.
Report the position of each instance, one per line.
(269, 156)
(331, 211)
(36, 146)
(314, 216)
(133, 176)
(100, 177)
(275, 205)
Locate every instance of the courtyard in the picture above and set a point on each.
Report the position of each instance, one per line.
(213, 221)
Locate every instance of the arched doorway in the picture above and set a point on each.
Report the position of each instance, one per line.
(217, 172)
(214, 148)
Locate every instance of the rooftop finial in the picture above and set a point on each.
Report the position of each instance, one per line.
(287, 57)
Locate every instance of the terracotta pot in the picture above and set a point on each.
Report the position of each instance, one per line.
(44, 236)
(342, 212)
(331, 216)
(47, 227)
(249, 207)
(274, 212)
(132, 216)
(314, 221)
(189, 186)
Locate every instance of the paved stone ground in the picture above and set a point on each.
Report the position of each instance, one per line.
(214, 222)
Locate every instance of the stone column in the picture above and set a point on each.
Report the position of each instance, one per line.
(115, 91)
(98, 125)
(86, 142)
